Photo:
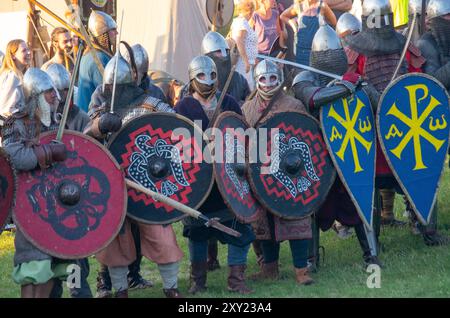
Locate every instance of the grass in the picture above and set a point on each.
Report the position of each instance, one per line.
(411, 268)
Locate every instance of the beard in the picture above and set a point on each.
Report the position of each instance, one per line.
(45, 110)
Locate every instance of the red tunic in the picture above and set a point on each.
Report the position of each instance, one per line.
(357, 63)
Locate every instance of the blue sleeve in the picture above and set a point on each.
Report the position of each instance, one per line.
(97, 78)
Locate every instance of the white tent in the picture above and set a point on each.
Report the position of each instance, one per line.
(170, 30)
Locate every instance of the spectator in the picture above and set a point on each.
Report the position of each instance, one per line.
(307, 23)
(15, 63)
(246, 40)
(339, 7)
(62, 46)
(266, 22)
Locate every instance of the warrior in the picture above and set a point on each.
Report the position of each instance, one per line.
(216, 47)
(269, 79)
(103, 30)
(62, 47)
(76, 120)
(201, 105)
(143, 80)
(135, 280)
(435, 47)
(316, 90)
(34, 270)
(379, 44)
(157, 243)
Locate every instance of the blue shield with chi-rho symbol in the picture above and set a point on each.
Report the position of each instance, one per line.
(413, 125)
(350, 133)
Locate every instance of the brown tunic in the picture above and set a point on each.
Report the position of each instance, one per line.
(282, 229)
(158, 244)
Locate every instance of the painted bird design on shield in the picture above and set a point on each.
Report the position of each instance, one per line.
(286, 162)
(156, 162)
(233, 146)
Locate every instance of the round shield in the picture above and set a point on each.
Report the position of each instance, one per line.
(230, 167)
(7, 188)
(293, 172)
(219, 12)
(77, 207)
(163, 152)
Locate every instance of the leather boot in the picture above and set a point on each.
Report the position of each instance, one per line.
(258, 252)
(213, 262)
(121, 294)
(387, 212)
(430, 233)
(236, 280)
(369, 259)
(198, 277)
(268, 271)
(302, 276)
(172, 293)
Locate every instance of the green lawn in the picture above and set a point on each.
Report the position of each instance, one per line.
(411, 268)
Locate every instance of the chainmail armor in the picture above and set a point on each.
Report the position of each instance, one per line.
(333, 61)
(379, 70)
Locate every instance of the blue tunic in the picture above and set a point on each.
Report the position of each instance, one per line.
(89, 78)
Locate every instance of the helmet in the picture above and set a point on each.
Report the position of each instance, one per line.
(59, 76)
(348, 24)
(35, 82)
(376, 7)
(327, 53)
(377, 14)
(304, 76)
(140, 58)
(214, 41)
(269, 71)
(124, 72)
(267, 74)
(438, 8)
(99, 23)
(203, 65)
(325, 39)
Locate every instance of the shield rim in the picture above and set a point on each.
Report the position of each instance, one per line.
(210, 4)
(253, 185)
(196, 127)
(383, 148)
(341, 176)
(258, 214)
(5, 155)
(113, 237)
